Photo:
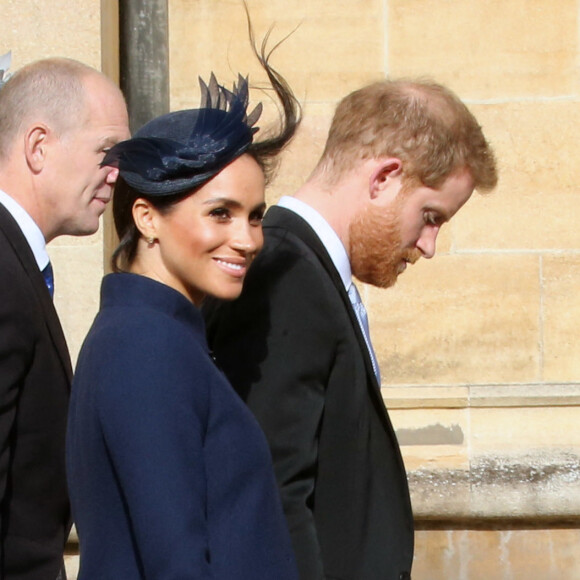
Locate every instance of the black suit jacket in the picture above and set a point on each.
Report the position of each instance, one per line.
(35, 375)
(292, 347)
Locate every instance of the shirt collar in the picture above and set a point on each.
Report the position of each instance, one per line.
(31, 231)
(325, 233)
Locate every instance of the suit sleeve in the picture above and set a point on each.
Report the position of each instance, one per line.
(153, 421)
(277, 349)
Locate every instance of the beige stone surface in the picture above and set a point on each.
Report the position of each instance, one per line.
(497, 554)
(489, 396)
(525, 462)
(536, 204)
(93, 241)
(110, 39)
(461, 318)
(303, 153)
(487, 49)
(561, 308)
(437, 441)
(77, 272)
(324, 58)
(536, 395)
(508, 431)
(426, 397)
(489, 458)
(516, 484)
(414, 427)
(72, 562)
(33, 30)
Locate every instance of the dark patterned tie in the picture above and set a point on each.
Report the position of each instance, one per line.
(49, 279)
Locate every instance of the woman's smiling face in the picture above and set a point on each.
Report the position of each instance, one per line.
(207, 241)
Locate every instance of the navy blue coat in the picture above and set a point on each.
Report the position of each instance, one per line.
(170, 475)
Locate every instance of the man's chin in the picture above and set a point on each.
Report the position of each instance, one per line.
(379, 280)
(87, 229)
(388, 283)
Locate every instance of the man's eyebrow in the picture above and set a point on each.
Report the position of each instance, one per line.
(442, 214)
(108, 141)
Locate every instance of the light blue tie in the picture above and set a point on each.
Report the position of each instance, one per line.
(49, 279)
(361, 315)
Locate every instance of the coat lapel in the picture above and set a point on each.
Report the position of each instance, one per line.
(25, 256)
(287, 219)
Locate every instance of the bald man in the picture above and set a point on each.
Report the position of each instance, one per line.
(58, 118)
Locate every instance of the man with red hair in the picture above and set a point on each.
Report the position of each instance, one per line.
(401, 159)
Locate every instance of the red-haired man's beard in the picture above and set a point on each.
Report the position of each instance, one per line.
(376, 255)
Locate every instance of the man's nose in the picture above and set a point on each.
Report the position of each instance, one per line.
(112, 176)
(427, 243)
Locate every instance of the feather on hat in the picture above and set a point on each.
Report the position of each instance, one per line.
(179, 151)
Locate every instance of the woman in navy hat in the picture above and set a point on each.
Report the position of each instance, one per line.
(170, 475)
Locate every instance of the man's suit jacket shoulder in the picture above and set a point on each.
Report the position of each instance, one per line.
(35, 375)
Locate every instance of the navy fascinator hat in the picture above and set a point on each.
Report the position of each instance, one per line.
(179, 151)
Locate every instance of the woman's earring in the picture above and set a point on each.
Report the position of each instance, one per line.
(151, 241)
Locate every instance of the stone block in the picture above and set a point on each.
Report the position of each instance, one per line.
(78, 272)
(443, 397)
(459, 319)
(510, 431)
(561, 315)
(34, 30)
(535, 206)
(93, 241)
(525, 462)
(323, 59)
(437, 440)
(535, 395)
(486, 49)
(489, 458)
(503, 553)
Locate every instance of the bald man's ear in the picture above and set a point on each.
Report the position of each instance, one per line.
(36, 146)
(385, 178)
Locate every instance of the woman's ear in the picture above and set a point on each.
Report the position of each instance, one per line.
(385, 178)
(145, 217)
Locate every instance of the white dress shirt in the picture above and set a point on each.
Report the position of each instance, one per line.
(31, 231)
